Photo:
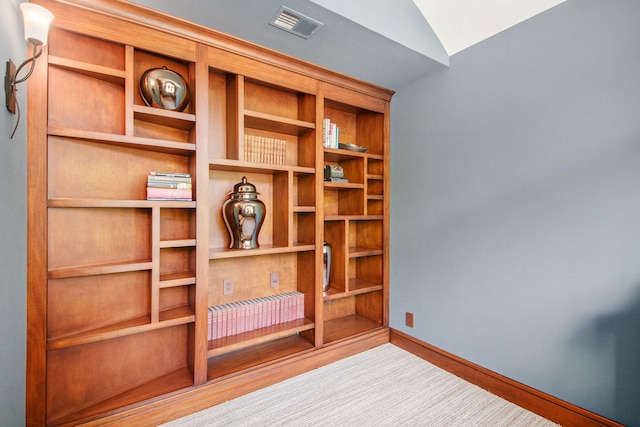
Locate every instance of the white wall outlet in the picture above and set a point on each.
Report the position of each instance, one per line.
(275, 279)
(227, 286)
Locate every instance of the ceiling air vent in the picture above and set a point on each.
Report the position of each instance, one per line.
(295, 22)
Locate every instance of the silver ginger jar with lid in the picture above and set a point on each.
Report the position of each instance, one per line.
(244, 214)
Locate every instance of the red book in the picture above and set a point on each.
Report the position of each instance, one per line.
(300, 305)
(220, 314)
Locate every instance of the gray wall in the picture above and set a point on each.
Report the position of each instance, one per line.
(515, 229)
(13, 163)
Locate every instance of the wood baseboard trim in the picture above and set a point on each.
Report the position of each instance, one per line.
(547, 406)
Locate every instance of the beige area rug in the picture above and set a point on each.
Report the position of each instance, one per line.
(385, 386)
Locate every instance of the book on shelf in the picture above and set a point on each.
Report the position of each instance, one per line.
(245, 316)
(162, 178)
(168, 193)
(260, 149)
(170, 174)
(330, 134)
(169, 186)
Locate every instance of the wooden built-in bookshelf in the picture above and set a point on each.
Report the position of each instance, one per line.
(119, 286)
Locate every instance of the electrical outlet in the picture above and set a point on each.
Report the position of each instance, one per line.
(275, 279)
(227, 286)
(409, 319)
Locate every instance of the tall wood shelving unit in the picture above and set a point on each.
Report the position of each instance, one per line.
(119, 287)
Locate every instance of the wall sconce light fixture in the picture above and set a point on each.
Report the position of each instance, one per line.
(37, 21)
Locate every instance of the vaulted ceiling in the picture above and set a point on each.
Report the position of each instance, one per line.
(387, 42)
(460, 24)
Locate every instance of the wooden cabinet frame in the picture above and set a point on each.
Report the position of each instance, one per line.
(119, 287)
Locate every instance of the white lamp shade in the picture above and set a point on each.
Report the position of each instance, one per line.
(37, 21)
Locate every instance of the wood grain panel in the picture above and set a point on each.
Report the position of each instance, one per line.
(70, 106)
(365, 234)
(273, 74)
(122, 175)
(114, 367)
(370, 131)
(83, 48)
(338, 308)
(370, 306)
(36, 336)
(177, 224)
(84, 303)
(99, 236)
(217, 102)
(251, 277)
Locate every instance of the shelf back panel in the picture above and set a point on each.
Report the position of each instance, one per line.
(86, 303)
(98, 236)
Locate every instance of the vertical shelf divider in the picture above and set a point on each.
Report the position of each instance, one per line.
(319, 189)
(129, 88)
(290, 213)
(235, 117)
(155, 264)
(199, 346)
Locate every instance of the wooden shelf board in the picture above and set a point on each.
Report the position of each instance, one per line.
(174, 119)
(98, 269)
(353, 217)
(109, 203)
(333, 293)
(361, 251)
(173, 317)
(343, 185)
(304, 209)
(249, 339)
(177, 279)
(340, 155)
(115, 330)
(356, 287)
(150, 144)
(347, 327)
(220, 253)
(375, 177)
(168, 384)
(359, 286)
(269, 122)
(177, 316)
(375, 197)
(254, 356)
(178, 243)
(111, 75)
(230, 165)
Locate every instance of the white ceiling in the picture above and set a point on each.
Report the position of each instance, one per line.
(463, 23)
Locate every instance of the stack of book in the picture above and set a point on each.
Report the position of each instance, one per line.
(244, 316)
(169, 186)
(330, 134)
(260, 149)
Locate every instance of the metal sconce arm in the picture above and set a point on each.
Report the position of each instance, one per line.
(11, 80)
(37, 21)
